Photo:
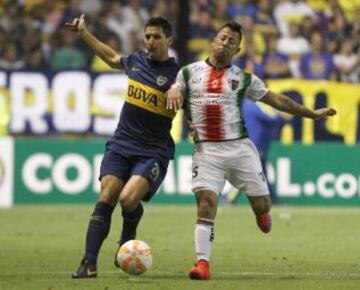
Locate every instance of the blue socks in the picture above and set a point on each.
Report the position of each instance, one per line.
(130, 223)
(98, 230)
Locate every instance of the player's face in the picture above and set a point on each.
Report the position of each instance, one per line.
(156, 43)
(225, 44)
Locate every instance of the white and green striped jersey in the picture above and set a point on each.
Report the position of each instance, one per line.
(213, 99)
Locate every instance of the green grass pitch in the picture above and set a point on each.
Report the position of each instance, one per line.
(308, 248)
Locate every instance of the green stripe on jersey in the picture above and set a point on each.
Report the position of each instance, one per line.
(240, 98)
(187, 98)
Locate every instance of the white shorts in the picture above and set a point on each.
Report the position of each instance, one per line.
(237, 161)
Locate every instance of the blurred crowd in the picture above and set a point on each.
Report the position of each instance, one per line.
(313, 39)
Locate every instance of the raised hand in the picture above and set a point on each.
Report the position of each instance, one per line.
(324, 113)
(77, 25)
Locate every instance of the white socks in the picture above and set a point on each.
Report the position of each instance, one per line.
(204, 235)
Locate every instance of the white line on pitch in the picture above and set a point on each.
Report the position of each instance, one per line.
(282, 274)
(291, 274)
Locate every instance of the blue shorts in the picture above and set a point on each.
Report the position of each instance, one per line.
(124, 165)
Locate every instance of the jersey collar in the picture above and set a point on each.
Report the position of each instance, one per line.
(170, 60)
(214, 66)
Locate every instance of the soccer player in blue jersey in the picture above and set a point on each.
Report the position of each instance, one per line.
(137, 155)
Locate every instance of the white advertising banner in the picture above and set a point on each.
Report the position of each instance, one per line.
(6, 171)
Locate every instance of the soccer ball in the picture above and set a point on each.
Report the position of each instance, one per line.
(135, 257)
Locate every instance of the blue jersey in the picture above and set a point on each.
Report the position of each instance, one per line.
(263, 125)
(145, 123)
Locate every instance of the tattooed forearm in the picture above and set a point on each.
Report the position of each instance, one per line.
(285, 104)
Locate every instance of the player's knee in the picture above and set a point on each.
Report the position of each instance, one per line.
(207, 206)
(110, 189)
(109, 197)
(128, 202)
(261, 204)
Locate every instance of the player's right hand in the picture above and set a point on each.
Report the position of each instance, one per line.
(174, 99)
(77, 25)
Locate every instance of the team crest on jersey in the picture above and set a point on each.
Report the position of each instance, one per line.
(161, 80)
(234, 84)
(214, 84)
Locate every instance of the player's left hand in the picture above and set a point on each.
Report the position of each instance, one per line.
(174, 99)
(324, 113)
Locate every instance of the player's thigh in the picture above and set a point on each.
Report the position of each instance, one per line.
(111, 186)
(146, 177)
(208, 173)
(245, 172)
(114, 172)
(115, 164)
(134, 191)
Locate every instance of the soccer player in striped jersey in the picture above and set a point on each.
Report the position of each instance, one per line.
(137, 155)
(212, 93)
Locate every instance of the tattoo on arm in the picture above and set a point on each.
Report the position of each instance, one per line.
(285, 104)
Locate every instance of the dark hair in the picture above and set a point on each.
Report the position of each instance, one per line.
(234, 26)
(160, 22)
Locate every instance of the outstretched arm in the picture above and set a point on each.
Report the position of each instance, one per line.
(105, 52)
(285, 104)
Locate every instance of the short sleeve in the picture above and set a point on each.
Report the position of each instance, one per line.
(181, 80)
(127, 62)
(257, 89)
